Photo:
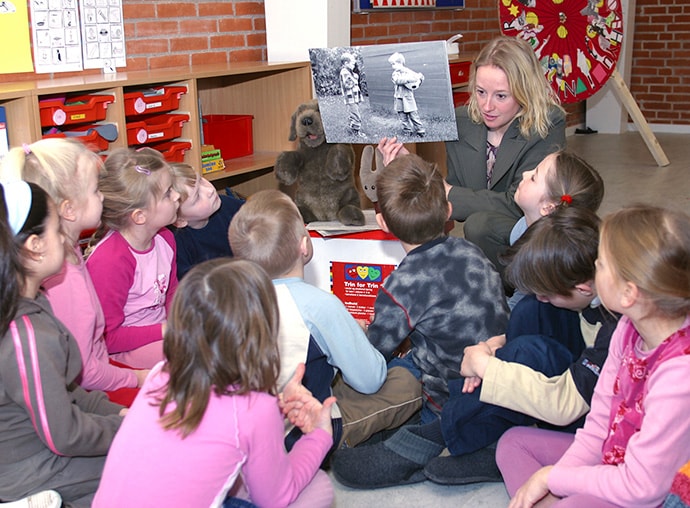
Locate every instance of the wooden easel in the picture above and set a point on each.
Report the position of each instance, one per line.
(625, 97)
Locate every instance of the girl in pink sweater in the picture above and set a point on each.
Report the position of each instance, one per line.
(207, 424)
(68, 171)
(635, 436)
(133, 267)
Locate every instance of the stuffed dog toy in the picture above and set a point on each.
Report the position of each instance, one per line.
(321, 173)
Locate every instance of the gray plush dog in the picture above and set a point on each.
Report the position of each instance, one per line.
(321, 173)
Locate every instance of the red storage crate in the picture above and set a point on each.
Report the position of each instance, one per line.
(460, 98)
(74, 109)
(92, 139)
(231, 134)
(156, 128)
(173, 151)
(166, 98)
(460, 72)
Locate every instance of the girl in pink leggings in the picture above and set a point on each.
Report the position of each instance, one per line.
(635, 436)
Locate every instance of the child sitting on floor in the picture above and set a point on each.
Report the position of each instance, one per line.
(201, 228)
(316, 328)
(207, 422)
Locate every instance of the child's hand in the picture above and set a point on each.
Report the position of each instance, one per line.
(123, 411)
(141, 376)
(475, 359)
(363, 323)
(313, 415)
(390, 148)
(295, 393)
(533, 490)
(471, 383)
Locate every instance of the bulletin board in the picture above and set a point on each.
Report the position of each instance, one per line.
(387, 5)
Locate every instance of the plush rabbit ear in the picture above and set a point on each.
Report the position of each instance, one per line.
(367, 174)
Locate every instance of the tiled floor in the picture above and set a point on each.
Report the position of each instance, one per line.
(630, 176)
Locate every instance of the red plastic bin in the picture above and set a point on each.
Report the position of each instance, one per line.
(173, 151)
(231, 134)
(92, 139)
(74, 109)
(460, 72)
(157, 128)
(166, 99)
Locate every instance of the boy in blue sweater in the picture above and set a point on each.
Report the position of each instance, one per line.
(316, 328)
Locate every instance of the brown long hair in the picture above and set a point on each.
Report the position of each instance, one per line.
(221, 338)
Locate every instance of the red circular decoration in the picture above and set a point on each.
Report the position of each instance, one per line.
(577, 41)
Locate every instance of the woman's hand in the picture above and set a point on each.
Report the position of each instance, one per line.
(390, 148)
(534, 490)
(141, 376)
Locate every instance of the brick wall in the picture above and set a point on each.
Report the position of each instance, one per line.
(170, 33)
(660, 81)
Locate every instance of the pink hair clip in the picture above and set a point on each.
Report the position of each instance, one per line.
(27, 149)
(141, 170)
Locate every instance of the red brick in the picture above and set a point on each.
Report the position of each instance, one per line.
(175, 10)
(249, 8)
(227, 41)
(162, 28)
(235, 24)
(189, 44)
(139, 10)
(146, 47)
(210, 57)
(162, 62)
(216, 9)
(198, 26)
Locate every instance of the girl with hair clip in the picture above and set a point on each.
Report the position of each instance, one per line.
(211, 406)
(562, 179)
(68, 171)
(512, 120)
(635, 435)
(133, 266)
(53, 434)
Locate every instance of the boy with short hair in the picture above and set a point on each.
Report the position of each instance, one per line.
(445, 295)
(202, 219)
(317, 329)
(532, 376)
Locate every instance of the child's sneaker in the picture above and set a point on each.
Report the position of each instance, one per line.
(44, 499)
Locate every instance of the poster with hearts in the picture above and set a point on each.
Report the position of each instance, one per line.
(357, 284)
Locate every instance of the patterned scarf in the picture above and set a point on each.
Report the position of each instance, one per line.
(490, 162)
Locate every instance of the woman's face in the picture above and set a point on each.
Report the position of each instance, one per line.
(495, 98)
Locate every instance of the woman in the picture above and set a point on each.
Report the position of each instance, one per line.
(512, 121)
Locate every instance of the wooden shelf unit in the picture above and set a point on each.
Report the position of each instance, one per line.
(270, 92)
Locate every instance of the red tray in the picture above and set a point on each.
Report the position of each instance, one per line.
(157, 128)
(138, 103)
(74, 109)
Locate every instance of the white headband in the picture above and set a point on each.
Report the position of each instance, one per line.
(18, 203)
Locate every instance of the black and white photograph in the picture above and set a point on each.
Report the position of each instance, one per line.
(366, 93)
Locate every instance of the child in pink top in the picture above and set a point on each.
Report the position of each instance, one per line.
(133, 265)
(635, 436)
(206, 423)
(69, 171)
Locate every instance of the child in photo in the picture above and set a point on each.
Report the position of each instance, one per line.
(406, 81)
